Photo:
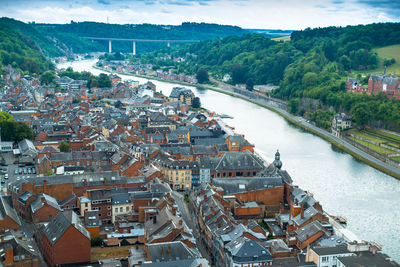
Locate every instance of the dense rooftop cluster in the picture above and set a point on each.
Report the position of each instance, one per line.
(152, 182)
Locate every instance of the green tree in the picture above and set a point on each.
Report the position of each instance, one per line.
(92, 82)
(361, 114)
(96, 241)
(238, 74)
(250, 84)
(64, 147)
(387, 62)
(293, 105)
(104, 80)
(310, 79)
(202, 76)
(47, 78)
(15, 131)
(5, 116)
(196, 102)
(49, 173)
(345, 62)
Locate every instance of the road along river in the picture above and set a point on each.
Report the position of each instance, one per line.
(368, 198)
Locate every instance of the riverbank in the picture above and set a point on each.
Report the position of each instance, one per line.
(337, 142)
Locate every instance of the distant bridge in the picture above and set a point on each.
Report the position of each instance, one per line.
(134, 41)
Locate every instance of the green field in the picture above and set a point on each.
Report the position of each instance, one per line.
(392, 51)
(283, 38)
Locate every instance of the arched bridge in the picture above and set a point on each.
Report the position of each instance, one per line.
(134, 41)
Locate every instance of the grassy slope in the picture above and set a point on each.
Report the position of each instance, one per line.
(391, 51)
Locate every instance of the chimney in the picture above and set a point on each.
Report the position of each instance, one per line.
(205, 197)
(84, 182)
(154, 219)
(105, 180)
(302, 212)
(173, 211)
(180, 222)
(219, 225)
(169, 249)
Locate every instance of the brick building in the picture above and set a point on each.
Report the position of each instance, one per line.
(65, 240)
(9, 219)
(44, 208)
(386, 83)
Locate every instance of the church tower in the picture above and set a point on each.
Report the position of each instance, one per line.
(277, 162)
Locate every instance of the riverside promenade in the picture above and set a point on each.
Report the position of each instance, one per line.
(301, 122)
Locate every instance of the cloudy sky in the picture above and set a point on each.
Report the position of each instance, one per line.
(260, 14)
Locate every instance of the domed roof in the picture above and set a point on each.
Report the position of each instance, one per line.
(277, 162)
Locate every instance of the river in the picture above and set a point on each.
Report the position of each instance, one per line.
(368, 198)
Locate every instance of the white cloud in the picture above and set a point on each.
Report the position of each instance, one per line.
(284, 14)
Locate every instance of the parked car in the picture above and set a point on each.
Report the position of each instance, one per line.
(29, 171)
(33, 170)
(16, 171)
(3, 164)
(2, 181)
(20, 171)
(25, 171)
(6, 176)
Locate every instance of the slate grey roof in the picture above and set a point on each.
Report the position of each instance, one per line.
(308, 213)
(233, 161)
(44, 198)
(171, 251)
(26, 146)
(385, 78)
(244, 250)
(322, 251)
(60, 224)
(238, 231)
(204, 150)
(209, 141)
(49, 149)
(277, 245)
(6, 209)
(179, 263)
(177, 91)
(146, 195)
(308, 231)
(299, 197)
(367, 259)
(239, 185)
(79, 180)
(200, 134)
(66, 156)
(120, 199)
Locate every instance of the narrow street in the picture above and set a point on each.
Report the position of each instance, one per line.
(191, 221)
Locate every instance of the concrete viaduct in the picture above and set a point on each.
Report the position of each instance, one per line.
(134, 41)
